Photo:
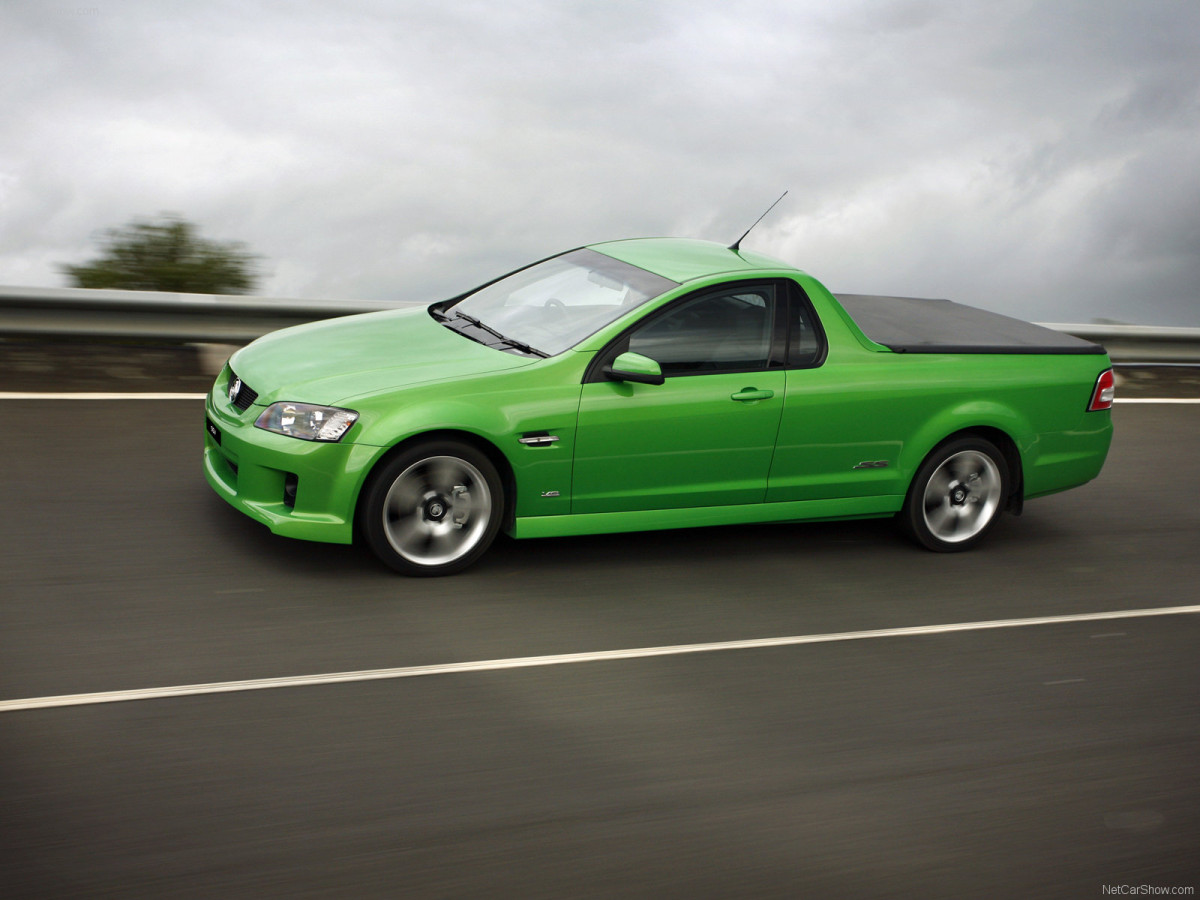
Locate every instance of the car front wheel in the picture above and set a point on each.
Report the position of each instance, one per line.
(957, 495)
(434, 509)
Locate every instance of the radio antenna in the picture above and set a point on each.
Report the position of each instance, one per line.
(737, 245)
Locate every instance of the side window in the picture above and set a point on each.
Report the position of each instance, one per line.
(807, 340)
(729, 330)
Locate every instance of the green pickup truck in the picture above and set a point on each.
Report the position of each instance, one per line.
(648, 384)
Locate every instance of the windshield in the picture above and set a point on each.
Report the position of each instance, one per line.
(554, 304)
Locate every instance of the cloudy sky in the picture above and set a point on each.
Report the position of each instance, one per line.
(1036, 157)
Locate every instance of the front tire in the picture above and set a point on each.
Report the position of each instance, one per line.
(434, 509)
(957, 495)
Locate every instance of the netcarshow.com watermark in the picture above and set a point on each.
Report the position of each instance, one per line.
(1147, 890)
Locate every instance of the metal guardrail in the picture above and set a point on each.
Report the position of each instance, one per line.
(182, 318)
(1127, 344)
(207, 318)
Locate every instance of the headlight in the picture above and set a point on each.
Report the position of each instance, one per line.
(307, 422)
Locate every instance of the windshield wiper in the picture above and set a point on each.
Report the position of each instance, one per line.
(524, 347)
(511, 342)
(474, 321)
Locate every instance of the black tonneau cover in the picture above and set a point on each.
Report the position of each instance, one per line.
(914, 325)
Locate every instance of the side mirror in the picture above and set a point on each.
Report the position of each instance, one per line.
(635, 367)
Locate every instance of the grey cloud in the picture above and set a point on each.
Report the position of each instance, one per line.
(1031, 156)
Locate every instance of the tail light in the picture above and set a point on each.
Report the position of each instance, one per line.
(1102, 396)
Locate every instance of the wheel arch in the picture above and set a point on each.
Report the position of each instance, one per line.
(1002, 441)
(482, 444)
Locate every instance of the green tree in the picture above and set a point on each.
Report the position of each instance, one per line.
(167, 255)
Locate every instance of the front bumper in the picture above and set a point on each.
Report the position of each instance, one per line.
(298, 489)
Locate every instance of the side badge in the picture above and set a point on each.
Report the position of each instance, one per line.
(550, 494)
(873, 464)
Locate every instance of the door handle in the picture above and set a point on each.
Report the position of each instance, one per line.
(745, 395)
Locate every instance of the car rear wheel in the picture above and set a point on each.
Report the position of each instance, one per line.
(957, 495)
(434, 509)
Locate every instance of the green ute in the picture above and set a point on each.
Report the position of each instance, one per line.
(645, 384)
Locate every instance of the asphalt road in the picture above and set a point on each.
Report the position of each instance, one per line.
(1051, 760)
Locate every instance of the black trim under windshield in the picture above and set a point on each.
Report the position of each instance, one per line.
(501, 342)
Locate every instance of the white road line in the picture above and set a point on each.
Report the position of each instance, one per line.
(31, 395)
(16, 395)
(527, 662)
(1157, 400)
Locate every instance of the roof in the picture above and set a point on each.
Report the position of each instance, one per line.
(683, 259)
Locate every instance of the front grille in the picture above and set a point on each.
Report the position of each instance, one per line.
(245, 395)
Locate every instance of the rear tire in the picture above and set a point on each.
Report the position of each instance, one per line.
(434, 509)
(957, 495)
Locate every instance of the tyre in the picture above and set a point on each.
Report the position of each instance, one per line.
(957, 495)
(434, 509)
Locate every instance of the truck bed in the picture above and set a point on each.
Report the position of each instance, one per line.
(916, 325)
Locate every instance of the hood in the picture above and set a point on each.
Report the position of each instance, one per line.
(331, 361)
